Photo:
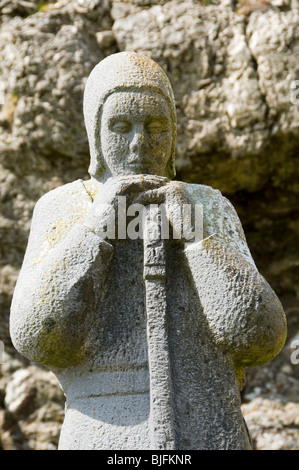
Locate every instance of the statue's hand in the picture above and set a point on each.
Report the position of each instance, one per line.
(144, 190)
(105, 205)
(180, 208)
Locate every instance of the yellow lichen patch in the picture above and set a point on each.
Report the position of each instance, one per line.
(42, 300)
(8, 112)
(92, 188)
(59, 229)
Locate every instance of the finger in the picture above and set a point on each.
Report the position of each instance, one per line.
(142, 178)
(153, 196)
(145, 177)
(141, 185)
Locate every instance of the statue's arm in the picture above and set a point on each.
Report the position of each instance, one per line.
(62, 278)
(243, 312)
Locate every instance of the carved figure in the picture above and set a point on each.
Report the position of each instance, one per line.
(148, 337)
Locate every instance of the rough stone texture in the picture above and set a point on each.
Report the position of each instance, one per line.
(253, 162)
(34, 407)
(273, 425)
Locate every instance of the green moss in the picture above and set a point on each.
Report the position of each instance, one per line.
(53, 348)
(43, 7)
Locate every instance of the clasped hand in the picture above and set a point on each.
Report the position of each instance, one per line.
(144, 190)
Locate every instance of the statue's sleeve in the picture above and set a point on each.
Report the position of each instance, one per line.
(62, 280)
(243, 312)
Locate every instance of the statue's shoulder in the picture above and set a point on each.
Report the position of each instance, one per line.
(211, 199)
(220, 217)
(205, 195)
(64, 203)
(64, 195)
(57, 211)
(212, 202)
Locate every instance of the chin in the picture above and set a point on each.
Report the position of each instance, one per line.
(138, 170)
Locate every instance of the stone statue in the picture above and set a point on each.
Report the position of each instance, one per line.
(149, 337)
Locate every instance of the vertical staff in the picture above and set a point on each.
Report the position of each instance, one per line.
(162, 433)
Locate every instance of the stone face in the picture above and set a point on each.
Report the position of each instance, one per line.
(108, 99)
(149, 337)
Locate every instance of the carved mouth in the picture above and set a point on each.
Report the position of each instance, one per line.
(136, 164)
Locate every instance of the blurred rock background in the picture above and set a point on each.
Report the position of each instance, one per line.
(233, 67)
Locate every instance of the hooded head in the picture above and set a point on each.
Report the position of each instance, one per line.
(120, 73)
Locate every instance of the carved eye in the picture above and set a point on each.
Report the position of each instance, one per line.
(121, 127)
(156, 126)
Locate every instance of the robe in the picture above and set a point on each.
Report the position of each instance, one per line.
(79, 308)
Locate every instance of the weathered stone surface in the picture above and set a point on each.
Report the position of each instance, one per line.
(263, 185)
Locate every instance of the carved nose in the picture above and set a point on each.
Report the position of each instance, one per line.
(138, 140)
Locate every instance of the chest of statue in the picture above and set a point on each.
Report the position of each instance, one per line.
(120, 319)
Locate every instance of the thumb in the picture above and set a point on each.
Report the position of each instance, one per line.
(152, 196)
